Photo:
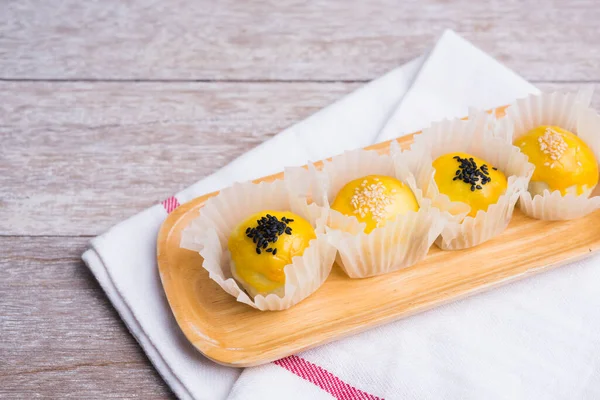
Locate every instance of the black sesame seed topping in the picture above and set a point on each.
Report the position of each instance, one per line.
(268, 230)
(471, 174)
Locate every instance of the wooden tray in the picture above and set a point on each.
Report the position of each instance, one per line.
(234, 334)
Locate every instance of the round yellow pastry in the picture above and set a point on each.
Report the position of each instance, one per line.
(562, 161)
(375, 199)
(469, 179)
(262, 245)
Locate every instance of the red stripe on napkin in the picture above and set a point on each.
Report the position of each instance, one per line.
(323, 379)
(170, 204)
(303, 368)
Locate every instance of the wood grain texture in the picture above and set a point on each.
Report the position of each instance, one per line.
(234, 334)
(286, 40)
(60, 336)
(79, 157)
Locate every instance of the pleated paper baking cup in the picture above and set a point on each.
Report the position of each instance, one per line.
(569, 111)
(399, 243)
(209, 233)
(560, 109)
(473, 136)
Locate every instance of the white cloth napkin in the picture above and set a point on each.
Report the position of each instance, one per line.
(533, 339)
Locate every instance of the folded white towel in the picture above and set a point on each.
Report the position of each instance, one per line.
(533, 339)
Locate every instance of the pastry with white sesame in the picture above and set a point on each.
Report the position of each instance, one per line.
(469, 179)
(374, 200)
(262, 245)
(562, 161)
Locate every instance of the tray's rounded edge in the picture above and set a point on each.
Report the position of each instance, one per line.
(218, 355)
(164, 270)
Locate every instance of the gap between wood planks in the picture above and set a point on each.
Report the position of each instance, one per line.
(118, 80)
(75, 366)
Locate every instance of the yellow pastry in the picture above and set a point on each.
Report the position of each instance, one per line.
(374, 200)
(562, 161)
(471, 180)
(262, 245)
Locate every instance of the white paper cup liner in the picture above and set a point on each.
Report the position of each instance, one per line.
(399, 243)
(209, 233)
(571, 112)
(556, 108)
(473, 136)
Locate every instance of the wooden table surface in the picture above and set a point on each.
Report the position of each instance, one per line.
(108, 107)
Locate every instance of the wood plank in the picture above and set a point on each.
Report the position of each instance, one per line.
(83, 156)
(76, 158)
(60, 335)
(101, 381)
(286, 40)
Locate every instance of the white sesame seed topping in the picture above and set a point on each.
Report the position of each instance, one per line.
(553, 145)
(371, 198)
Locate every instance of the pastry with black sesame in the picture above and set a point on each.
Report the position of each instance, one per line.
(475, 178)
(262, 245)
(469, 179)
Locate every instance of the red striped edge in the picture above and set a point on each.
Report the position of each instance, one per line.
(170, 204)
(305, 369)
(323, 379)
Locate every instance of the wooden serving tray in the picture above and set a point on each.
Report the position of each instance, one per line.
(234, 334)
